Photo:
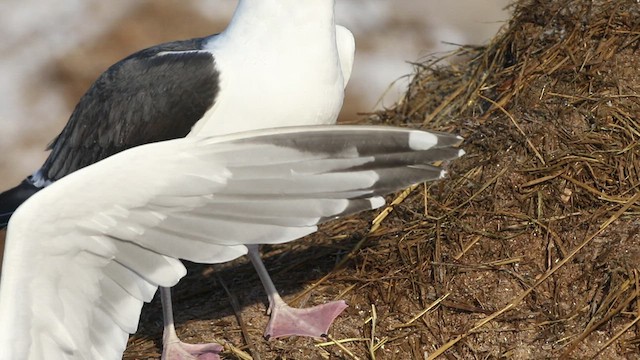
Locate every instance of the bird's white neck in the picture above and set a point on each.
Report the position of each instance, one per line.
(252, 15)
(288, 48)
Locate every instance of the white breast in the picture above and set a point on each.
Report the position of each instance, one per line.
(290, 75)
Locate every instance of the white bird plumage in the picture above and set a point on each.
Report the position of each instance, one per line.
(281, 63)
(78, 269)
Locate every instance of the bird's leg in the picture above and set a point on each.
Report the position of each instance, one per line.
(286, 320)
(172, 347)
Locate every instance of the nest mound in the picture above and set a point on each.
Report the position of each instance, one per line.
(535, 238)
(531, 248)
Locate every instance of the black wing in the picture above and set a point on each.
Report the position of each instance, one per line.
(146, 97)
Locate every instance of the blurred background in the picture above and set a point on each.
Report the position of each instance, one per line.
(52, 51)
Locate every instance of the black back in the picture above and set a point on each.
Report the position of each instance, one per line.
(143, 98)
(11, 199)
(146, 97)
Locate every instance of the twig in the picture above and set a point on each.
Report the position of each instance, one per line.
(245, 333)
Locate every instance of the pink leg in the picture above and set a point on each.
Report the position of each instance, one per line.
(173, 348)
(286, 320)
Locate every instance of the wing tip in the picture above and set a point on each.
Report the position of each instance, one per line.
(424, 140)
(421, 140)
(377, 202)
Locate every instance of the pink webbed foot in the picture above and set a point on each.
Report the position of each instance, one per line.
(313, 322)
(172, 347)
(286, 320)
(178, 350)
